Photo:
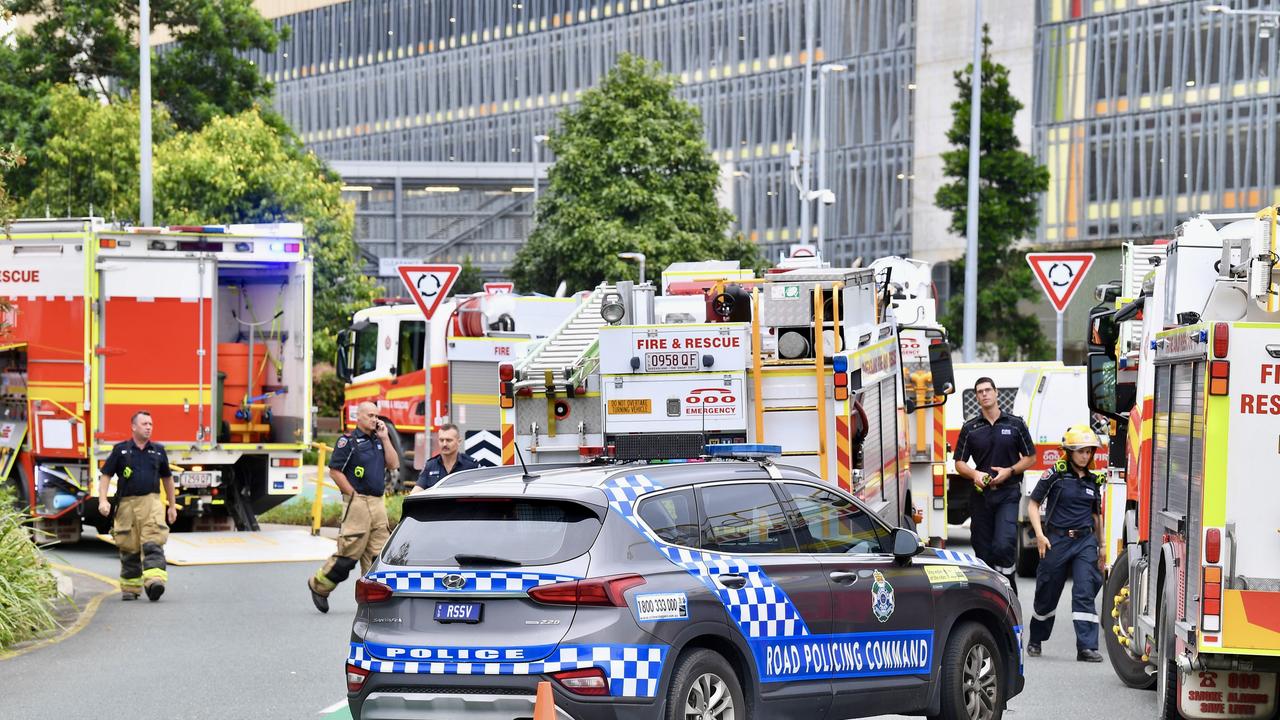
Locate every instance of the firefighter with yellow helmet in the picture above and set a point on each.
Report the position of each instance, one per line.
(1067, 534)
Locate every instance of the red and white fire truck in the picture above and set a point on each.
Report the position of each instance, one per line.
(422, 375)
(805, 358)
(1189, 368)
(207, 328)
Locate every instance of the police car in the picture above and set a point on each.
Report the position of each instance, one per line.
(715, 590)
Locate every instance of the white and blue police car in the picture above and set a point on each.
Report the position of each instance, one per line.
(717, 590)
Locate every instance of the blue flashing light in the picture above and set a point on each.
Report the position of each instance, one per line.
(750, 451)
(214, 229)
(840, 363)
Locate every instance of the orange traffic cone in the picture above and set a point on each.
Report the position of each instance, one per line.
(544, 708)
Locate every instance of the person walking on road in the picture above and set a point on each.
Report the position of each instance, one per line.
(448, 461)
(140, 529)
(993, 450)
(361, 461)
(1067, 536)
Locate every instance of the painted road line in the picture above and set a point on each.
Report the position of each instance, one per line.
(337, 711)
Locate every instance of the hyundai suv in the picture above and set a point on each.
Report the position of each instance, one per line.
(716, 590)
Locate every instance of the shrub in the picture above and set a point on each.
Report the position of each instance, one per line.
(27, 587)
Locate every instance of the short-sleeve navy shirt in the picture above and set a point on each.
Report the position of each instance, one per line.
(138, 470)
(1073, 500)
(433, 472)
(361, 459)
(987, 445)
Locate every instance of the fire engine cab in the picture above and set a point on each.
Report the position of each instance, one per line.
(1187, 367)
(208, 328)
(806, 357)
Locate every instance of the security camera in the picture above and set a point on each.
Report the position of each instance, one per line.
(826, 197)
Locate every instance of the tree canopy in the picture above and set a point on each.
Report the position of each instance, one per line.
(1009, 183)
(236, 169)
(633, 173)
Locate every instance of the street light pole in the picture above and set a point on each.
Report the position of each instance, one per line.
(146, 209)
(807, 119)
(537, 155)
(822, 147)
(971, 214)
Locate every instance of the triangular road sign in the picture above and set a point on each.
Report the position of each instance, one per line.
(1060, 274)
(428, 284)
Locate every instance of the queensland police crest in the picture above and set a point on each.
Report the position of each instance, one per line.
(882, 602)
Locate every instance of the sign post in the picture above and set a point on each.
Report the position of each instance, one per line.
(1060, 275)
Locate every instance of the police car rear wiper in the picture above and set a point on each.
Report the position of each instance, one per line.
(465, 559)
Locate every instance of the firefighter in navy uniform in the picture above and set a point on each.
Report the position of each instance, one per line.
(993, 450)
(447, 462)
(139, 529)
(361, 461)
(1067, 536)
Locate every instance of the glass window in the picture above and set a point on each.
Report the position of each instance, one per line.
(413, 336)
(829, 523)
(744, 518)
(672, 517)
(469, 531)
(366, 349)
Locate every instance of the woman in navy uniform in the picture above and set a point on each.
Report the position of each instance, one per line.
(1068, 535)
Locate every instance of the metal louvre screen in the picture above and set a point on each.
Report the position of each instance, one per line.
(658, 446)
(872, 457)
(1180, 439)
(1195, 487)
(1160, 441)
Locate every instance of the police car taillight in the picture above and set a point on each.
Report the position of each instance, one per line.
(597, 592)
(370, 591)
(588, 681)
(355, 678)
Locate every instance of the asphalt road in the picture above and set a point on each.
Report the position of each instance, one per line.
(243, 641)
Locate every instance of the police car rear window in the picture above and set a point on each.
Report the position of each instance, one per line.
(467, 532)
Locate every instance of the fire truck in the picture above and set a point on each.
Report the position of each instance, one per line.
(422, 375)
(208, 328)
(806, 357)
(1185, 358)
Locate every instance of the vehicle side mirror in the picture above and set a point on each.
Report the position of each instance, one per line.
(906, 545)
(346, 356)
(944, 376)
(1103, 396)
(1104, 331)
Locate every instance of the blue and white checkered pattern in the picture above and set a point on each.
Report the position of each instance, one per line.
(474, 581)
(760, 608)
(960, 558)
(633, 670)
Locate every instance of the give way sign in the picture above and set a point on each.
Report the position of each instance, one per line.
(428, 284)
(1060, 274)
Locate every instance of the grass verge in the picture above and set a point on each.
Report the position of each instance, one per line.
(27, 586)
(298, 512)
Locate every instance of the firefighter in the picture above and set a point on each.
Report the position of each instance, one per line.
(993, 450)
(1067, 536)
(448, 461)
(361, 461)
(140, 528)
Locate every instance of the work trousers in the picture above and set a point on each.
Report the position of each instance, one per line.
(140, 532)
(994, 531)
(361, 537)
(1078, 558)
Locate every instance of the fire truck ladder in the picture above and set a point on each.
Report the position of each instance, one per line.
(570, 353)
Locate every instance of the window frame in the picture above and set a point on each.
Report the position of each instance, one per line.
(772, 486)
(794, 511)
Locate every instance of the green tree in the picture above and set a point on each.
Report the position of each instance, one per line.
(1010, 180)
(91, 45)
(632, 173)
(470, 280)
(237, 169)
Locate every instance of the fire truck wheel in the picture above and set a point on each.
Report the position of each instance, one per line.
(1131, 671)
(1167, 669)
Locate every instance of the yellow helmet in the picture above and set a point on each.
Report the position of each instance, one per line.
(1078, 437)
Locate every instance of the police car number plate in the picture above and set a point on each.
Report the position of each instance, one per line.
(459, 612)
(201, 479)
(670, 361)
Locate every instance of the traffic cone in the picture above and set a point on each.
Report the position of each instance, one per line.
(544, 708)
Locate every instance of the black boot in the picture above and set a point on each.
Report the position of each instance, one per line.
(1033, 649)
(321, 602)
(1087, 655)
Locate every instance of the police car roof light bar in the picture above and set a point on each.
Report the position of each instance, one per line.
(744, 451)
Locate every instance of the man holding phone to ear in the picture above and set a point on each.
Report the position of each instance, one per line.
(359, 466)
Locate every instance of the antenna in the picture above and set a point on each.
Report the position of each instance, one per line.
(520, 456)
